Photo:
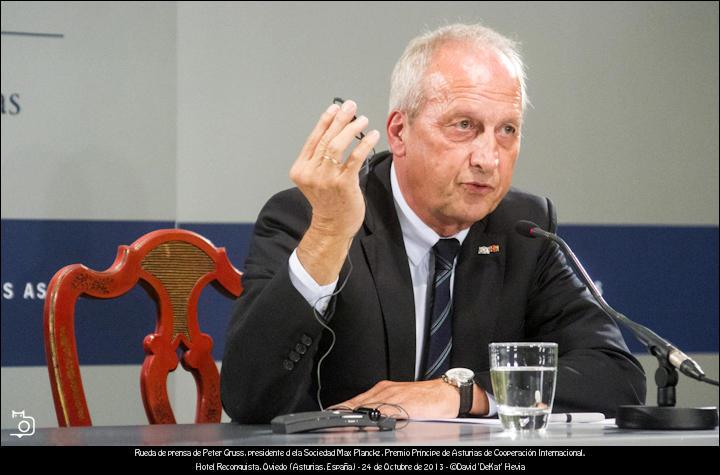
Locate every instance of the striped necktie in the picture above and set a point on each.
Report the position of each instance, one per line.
(437, 355)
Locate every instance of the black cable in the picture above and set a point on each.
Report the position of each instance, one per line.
(317, 315)
(376, 406)
(319, 319)
(403, 413)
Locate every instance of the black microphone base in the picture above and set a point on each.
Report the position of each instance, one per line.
(666, 418)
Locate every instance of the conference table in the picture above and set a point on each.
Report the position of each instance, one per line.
(417, 433)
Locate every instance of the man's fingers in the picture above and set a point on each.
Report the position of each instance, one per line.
(341, 119)
(355, 161)
(320, 128)
(358, 400)
(351, 403)
(337, 146)
(374, 395)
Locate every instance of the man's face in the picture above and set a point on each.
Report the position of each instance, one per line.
(455, 159)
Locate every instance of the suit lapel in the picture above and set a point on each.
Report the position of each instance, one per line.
(476, 296)
(387, 260)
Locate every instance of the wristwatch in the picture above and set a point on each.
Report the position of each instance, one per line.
(462, 379)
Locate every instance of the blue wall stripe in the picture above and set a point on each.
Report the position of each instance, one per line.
(664, 277)
(32, 251)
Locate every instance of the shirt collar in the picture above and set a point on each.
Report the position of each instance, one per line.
(419, 237)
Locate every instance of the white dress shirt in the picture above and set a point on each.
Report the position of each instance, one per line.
(419, 240)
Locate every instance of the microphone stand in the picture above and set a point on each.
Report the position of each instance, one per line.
(665, 416)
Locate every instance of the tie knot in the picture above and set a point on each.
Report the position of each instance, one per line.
(447, 249)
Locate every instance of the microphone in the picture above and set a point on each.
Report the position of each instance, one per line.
(663, 350)
(656, 344)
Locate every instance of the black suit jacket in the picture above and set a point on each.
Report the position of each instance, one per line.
(525, 292)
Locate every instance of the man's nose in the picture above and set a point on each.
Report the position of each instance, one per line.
(485, 153)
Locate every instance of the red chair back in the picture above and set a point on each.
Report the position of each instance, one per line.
(173, 265)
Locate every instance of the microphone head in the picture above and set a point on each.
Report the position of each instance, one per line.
(526, 228)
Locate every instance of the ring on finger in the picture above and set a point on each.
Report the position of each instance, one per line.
(327, 157)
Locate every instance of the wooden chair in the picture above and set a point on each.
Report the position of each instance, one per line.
(173, 265)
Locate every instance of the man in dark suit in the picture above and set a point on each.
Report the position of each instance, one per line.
(362, 291)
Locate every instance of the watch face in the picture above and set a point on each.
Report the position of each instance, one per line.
(462, 375)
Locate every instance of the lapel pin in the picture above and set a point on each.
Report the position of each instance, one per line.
(489, 249)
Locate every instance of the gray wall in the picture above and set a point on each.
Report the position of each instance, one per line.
(624, 127)
(195, 112)
(99, 110)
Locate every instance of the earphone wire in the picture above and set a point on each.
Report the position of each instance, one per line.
(319, 319)
(366, 167)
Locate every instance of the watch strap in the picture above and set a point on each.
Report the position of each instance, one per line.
(466, 399)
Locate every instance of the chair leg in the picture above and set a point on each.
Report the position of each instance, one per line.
(153, 384)
(207, 378)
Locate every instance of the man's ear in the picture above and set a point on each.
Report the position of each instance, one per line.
(395, 128)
